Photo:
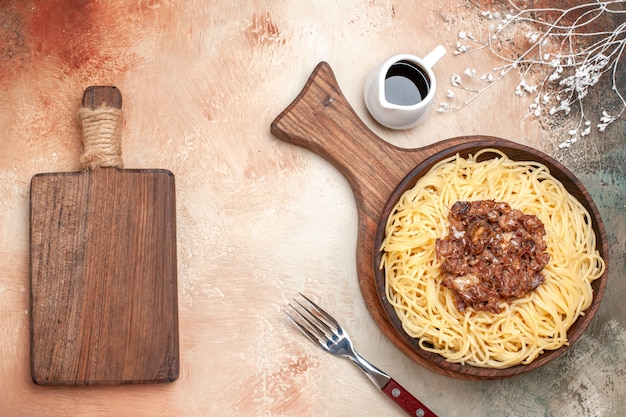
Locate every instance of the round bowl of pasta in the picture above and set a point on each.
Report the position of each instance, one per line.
(490, 262)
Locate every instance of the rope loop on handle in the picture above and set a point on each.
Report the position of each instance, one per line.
(102, 137)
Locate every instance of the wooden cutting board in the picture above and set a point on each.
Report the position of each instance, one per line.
(321, 119)
(103, 270)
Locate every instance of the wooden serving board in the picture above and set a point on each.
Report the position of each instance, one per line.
(321, 120)
(103, 273)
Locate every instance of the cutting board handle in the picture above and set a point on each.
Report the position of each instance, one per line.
(321, 119)
(101, 117)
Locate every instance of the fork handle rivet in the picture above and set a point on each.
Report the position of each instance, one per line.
(420, 412)
(395, 392)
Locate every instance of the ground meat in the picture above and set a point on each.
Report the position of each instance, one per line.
(492, 254)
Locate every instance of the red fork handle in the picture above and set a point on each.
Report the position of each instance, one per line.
(406, 400)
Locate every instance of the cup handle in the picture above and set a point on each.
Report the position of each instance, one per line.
(435, 55)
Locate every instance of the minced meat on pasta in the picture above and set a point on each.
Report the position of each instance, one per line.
(493, 253)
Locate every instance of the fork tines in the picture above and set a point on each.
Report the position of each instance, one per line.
(314, 322)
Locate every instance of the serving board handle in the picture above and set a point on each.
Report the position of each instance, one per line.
(102, 95)
(321, 120)
(101, 116)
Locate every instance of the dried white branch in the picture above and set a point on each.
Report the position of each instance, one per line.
(565, 45)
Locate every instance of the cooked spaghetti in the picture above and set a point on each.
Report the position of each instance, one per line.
(524, 327)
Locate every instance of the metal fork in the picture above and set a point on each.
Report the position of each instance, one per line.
(323, 330)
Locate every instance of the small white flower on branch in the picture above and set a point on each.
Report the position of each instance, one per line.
(522, 87)
(533, 36)
(461, 49)
(535, 107)
(568, 143)
(491, 15)
(607, 118)
(470, 72)
(558, 70)
(443, 107)
(585, 132)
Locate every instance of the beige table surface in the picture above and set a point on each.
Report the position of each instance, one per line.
(260, 220)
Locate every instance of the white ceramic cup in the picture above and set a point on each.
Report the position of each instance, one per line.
(400, 92)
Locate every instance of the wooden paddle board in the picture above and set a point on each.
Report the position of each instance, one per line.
(321, 119)
(103, 273)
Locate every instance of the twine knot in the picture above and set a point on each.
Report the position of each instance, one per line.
(102, 137)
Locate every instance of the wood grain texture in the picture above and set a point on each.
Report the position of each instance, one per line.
(103, 274)
(102, 95)
(321, 119)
